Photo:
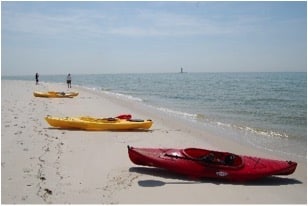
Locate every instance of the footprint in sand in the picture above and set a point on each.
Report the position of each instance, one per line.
(27, 170)
(121, 180)
(17, 133)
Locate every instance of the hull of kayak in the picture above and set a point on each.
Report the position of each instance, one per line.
(52, 94)
(201, 163)
(95, 124)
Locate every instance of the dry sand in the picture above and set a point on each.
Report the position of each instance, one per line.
(44, 165)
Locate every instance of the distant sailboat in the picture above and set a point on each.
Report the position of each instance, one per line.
(182, 70)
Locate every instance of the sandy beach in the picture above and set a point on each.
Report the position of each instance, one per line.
(42, 165)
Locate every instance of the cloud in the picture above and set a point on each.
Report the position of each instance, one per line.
(36, 23)
(92, 22)
(157, 23)
(87, 22)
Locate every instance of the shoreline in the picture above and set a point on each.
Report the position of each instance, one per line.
(196, 128)
(60, 166)
(269, 137)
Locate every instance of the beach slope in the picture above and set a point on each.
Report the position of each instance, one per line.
(40, 164)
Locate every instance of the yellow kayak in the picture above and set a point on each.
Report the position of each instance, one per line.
(53, 94)
(97, 124)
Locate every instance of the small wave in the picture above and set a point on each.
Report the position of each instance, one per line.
(119, 95)
(264, 133)
(204, 119)
(200, 116)
(105, 89)
(90, 88)
(178, 113)
(223, 124)
(254, 131)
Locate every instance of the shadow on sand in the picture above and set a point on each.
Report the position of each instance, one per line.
(180, 179)
(71, 129)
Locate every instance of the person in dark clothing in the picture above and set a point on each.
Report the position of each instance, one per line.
(37, 78)
(69, 81)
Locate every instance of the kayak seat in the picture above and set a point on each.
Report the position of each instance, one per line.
(110, 119)
(102, 120)
(209, 158)
(221, 159)
(233, 160)
(229, 159)
(135, 120)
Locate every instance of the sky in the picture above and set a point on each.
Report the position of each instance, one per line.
(152, 37)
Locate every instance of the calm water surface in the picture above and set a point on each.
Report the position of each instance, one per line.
(266, 110)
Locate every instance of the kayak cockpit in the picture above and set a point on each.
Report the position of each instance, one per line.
(214, 158)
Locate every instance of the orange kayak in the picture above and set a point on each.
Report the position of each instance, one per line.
(52, 94)
(98, 124)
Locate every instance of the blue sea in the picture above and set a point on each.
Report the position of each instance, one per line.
(265, 110)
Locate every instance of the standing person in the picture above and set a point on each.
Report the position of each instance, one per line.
(69, 81)
(37, 78)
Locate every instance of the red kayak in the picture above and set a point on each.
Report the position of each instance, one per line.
(200, 163)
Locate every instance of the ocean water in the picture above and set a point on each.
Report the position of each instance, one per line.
(265, 110)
